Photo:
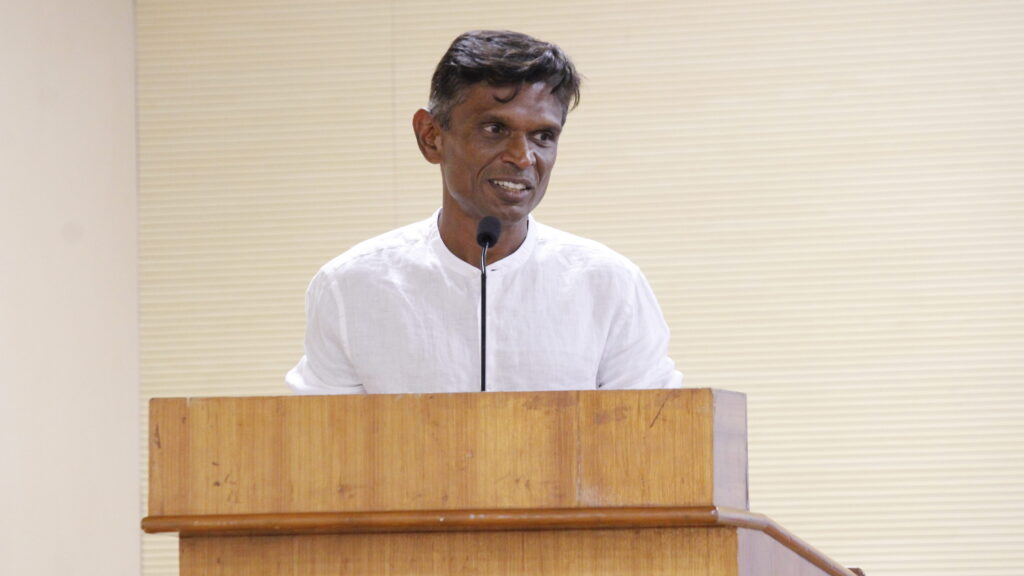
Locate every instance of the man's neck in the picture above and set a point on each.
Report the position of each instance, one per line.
(459, 236)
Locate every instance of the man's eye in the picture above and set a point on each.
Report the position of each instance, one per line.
(545, 137)
(492, 128)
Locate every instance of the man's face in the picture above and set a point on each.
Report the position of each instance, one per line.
(497, 154)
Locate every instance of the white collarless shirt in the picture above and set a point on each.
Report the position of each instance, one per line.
(400, 313)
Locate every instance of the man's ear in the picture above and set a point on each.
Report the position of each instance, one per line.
(428, 135)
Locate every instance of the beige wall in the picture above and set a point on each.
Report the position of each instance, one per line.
(825, 196)
(69, 480)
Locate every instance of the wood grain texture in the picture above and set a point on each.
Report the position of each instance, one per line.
(441, 452)
(168, 447)
(646, 449)
(679, 552)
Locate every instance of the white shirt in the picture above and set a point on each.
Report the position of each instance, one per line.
(399, 313)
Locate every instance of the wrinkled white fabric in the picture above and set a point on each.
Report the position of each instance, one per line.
(399, 313)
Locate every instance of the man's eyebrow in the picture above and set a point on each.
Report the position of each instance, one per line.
(492, 118)
(496, 118)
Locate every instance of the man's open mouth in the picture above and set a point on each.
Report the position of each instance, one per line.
(509, 185)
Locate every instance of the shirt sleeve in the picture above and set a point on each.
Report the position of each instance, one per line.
(636, 352)
(326, 367)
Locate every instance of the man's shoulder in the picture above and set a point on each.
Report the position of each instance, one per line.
(567, 249)
(391, 248)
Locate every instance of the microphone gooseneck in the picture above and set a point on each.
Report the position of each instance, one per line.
(487, 233)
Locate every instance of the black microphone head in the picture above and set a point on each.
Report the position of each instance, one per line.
(488, 231)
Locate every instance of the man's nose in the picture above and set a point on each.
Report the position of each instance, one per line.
(519, 153)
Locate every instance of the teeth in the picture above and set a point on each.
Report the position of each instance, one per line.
(510, 185)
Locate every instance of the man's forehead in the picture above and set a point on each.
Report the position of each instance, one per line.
(503, 92)
(483, 97)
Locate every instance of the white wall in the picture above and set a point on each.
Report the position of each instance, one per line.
(69, 480)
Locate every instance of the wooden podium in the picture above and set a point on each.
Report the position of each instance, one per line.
(546, 483)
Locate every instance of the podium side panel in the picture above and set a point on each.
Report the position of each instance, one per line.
(730, 440)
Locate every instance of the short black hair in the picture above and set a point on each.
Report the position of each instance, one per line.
(500, 58)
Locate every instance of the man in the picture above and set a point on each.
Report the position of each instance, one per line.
(400, 313)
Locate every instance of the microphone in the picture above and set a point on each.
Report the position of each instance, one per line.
(487, 233)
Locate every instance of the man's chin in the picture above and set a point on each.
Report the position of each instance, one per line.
(512, 216)
(510, 213)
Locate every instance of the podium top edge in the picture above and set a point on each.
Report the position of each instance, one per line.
(713, 391)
